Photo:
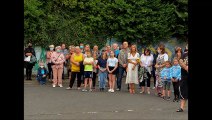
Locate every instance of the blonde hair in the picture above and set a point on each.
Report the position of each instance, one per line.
(89, 52)
(77, 47)
(41, 63)
(168, 63)
(174, 60)
(113, 53)
(131, 48)
(51, 46)
(94, 55)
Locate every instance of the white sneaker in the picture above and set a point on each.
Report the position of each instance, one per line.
(60, 85)
(84, 90)
(153, 88)
(112, 90)
(109, 90)
(54, 85)
(68, 88)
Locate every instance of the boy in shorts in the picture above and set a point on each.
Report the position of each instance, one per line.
(166, 79)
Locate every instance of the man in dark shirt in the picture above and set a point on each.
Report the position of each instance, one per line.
(64, 51)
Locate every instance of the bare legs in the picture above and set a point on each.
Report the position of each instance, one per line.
(112, 80)
(132, 88)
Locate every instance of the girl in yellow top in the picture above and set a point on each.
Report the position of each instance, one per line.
(76, 58)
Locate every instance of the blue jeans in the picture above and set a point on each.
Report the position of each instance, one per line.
(102, 76)
(41, 80)
(120, 75)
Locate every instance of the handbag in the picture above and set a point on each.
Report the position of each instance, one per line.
(55, 60)
(81, 67)
(33, 59)
(27, 59)
(142, 73)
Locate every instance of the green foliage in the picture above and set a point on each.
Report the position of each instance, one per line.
(53, 22)
(92, 22)
(147, 20)
(180, 25)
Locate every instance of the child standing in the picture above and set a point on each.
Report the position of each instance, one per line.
(102, 62)
(112, 64)
(88, 71)
(42, 74)
(176, 77)
(166, 79)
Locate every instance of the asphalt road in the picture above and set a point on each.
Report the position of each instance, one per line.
(43, 102)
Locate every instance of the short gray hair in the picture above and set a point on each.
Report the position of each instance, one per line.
(77, 47)
(58, 47)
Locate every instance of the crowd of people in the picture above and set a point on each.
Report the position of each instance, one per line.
(88, 65)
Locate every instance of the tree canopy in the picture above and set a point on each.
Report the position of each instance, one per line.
(93, 21)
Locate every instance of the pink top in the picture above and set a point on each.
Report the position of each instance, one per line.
(58, 59)
(48, 56)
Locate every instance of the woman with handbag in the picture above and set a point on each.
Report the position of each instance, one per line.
(146, 62)
(57, 60)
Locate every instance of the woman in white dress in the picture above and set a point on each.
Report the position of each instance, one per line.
(132, 68)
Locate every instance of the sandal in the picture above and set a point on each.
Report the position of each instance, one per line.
(174, 100)
(179, 110)
(164, 97)
(142, 92)
(133, 91)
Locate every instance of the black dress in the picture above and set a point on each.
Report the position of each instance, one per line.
(183, 88)
(29, 65)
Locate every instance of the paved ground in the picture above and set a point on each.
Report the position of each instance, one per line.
(48, 103)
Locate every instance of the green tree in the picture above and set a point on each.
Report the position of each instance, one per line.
(32, 14)
(50, 22)
(94, 21)
(180, 25)
(147, 20)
